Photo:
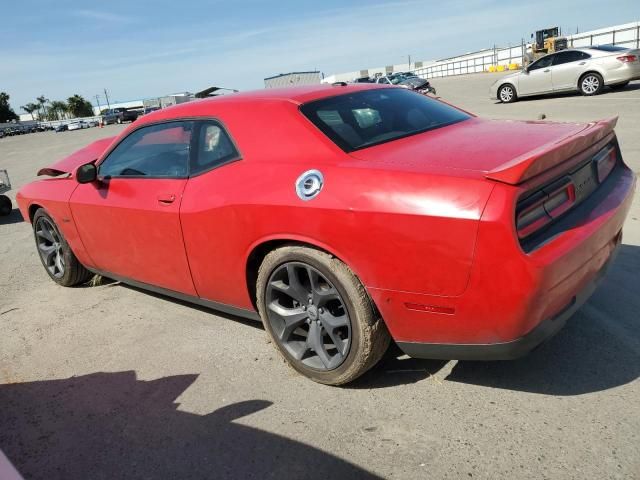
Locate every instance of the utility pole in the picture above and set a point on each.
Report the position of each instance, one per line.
(106, 95)
(409, 57)
(98, 102)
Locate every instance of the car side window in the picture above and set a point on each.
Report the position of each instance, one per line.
(542, 63)
(570, 56)
(215, 148)
(155, 151)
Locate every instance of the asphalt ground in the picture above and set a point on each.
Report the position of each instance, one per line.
(113, 382)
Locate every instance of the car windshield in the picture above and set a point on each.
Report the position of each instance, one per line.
(366, 118)
(609, 48)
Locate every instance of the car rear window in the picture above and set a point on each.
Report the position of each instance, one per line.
(371, 117)
(609, 48)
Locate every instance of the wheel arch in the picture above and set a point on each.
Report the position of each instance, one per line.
(33, 208)
(510, 83)
(261, 248)
(590, 70)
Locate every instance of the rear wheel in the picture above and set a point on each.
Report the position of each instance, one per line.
(619, 86)
(507, 94)
(57, 258)
(319, 315)
(591, 84)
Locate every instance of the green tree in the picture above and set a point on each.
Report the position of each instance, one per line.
(78, 106)
(30, 108)
(6, 112)
(57, 110)
(42, 111)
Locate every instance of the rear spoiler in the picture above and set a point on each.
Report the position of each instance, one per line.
(541, 159)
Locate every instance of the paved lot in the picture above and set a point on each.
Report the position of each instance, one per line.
(112, 382)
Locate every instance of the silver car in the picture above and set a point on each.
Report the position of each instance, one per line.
(586, 70)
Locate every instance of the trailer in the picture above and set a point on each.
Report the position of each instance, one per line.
(5, 202)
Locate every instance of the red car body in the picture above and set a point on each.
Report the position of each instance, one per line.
(428, 223)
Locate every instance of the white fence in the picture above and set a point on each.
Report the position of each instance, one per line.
(627, 35)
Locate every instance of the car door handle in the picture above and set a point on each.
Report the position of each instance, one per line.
(547, 70)
(582, 63)
(166, 199)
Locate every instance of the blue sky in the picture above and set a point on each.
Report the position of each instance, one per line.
(140, 49)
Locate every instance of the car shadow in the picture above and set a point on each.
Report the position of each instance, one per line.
(598, 349)
(14, 217)
(114, 425)
(227, 316)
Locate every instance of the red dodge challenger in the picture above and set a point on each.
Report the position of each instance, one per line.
(344, 217)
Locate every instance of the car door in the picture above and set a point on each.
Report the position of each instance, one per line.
(129, 220)
(537, 77)
(209, 216)
(567, 67)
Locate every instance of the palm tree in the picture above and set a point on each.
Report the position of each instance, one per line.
(57, 109)
(42, 100)
(30, 108)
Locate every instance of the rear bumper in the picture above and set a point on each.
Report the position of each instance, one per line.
(512, 349)
(626, 73)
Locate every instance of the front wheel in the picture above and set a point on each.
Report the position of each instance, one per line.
(591, 84)
(507, 94)
(319, 315)
(57, 258)
(5, 205)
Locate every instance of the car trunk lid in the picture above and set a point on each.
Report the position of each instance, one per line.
(506, 151)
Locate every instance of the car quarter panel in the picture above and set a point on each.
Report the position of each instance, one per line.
(401, 230)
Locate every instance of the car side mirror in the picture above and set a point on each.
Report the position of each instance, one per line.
(87, 173)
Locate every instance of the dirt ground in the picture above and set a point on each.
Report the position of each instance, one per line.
(113, 382)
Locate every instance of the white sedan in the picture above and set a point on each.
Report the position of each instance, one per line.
(78, 125)
(586, 70)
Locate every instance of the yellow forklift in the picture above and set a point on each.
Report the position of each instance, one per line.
(545, 41)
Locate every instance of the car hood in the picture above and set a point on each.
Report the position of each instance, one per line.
(414, 82)
(84, 155)
(505, 150)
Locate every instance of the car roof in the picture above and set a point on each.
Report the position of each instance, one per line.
(295, 95)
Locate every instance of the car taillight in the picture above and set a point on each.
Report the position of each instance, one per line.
(627, 58)
(538, 210)
(605, 161)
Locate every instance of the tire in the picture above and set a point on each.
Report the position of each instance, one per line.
(55, 254)
(340, 313)
(619, 86)
(591, 84)
(119, 121)
(5, 206)
(507, 93)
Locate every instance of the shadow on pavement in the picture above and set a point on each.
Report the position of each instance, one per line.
(598, 349)
(112, 425)
(14, 217)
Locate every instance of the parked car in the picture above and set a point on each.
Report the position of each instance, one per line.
(79, 125)
(6, 207)
(586, 70)
(63, 127)
(363, 213)
(407, 80)
(120, 115)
